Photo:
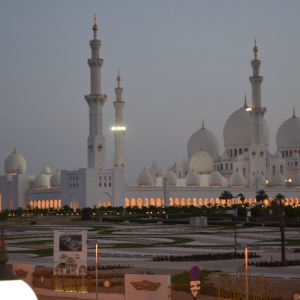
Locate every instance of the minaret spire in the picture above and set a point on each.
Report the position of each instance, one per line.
(95, 100)
(258, 147)
(203, 123)
(294, 113)
(245, 101)
(119, 129)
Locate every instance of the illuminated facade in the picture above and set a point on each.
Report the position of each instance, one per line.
(245, 166)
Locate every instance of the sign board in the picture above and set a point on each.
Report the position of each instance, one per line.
(70, 252)
(195, 273)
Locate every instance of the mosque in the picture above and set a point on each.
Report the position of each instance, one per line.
(245, 166)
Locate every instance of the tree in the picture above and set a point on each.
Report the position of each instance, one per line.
(242, 198)
(261, 196)
(226, 195)
(277, 205)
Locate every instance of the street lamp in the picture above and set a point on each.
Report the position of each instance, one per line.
(234, 218)
(95, 243)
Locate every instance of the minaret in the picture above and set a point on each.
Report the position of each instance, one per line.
(119, 129)
(258, 147)
(95, 100)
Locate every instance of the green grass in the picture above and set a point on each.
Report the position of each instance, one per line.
(38, 242)
(39, 253)
(130, 245)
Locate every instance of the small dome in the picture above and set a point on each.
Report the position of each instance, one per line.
(237, 180)
(258, 177)
(269, 156)
(238, 129)
(225, 156)
(203, 138)
(278, 180)
(217, 158)
(288, 134)
(12, 162)
(215, 179)
(47, 170)
(277, 155)
(201, 161)
(246, 156)
(144, 179)
(55, 180)
(154, 165)
(192, 179)
(296, 180)
(20, 169)
(225, 182)
(170, 175)
(42, 181)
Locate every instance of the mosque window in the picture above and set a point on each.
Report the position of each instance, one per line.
(231, 167)
(221, 166)
(291, 152)
(226, 166)
(230, 152)
(70, 184)
(76, 178)
(104, 177)
(109, 184)
(281, 169)
(109, 177)
(179, 175)
(273, 170)
(240, 151)
(104, 184)
(286, 153)
(245, 150)
(76, 184)
(100, 177)
(235, 152)
(99, 183)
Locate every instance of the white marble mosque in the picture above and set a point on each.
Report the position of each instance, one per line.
(245, 166)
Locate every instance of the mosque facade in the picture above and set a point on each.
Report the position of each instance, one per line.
(246, 166)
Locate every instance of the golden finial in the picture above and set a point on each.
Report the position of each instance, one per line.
(118, 78)
(203, 123)
(245, 101)
(201, 149)
(15, 150)
(255, 49)
(95, 27)
(294, 113)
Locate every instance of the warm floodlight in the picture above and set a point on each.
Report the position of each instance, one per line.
(248, 109)
(118, 128)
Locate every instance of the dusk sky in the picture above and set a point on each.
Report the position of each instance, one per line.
(179, 60)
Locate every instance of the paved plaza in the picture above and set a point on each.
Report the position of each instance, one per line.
(149, 241)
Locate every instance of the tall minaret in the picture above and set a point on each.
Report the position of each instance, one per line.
(258, 147)
(95, 100)
(119, 129)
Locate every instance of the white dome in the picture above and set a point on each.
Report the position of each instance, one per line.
(192, 179)
(225, 156)
(144, 178)
(154, 165)
(47, 170)
(170, 175)
(238, 130)
(277, 155)
(205, 139)
(42, 181)
(246, 156)
(237, 180)
(55, 180)
(215, 179)
(296, 180)
(201, 161)
(12, 162)
(225, 182)
(217, 158)
(20, 169)
(278, 180)
(288, 134)
(258, 177)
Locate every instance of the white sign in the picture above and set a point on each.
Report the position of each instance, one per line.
(195, 287)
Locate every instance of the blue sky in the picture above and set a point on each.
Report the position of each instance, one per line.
(180, 61)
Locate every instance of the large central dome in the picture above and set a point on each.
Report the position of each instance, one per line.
(238, 129)
(204, 139)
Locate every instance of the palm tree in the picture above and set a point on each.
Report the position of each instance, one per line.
(226, 195)
(242, 198)
(261, 196)
(277, 205)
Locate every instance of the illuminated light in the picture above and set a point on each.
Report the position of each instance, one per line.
(248, 109)
(118, 128)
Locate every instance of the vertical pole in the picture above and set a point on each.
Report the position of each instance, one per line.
(235, 238)
(96, 270)
(246, 265)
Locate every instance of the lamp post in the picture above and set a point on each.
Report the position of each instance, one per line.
(95, 243)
